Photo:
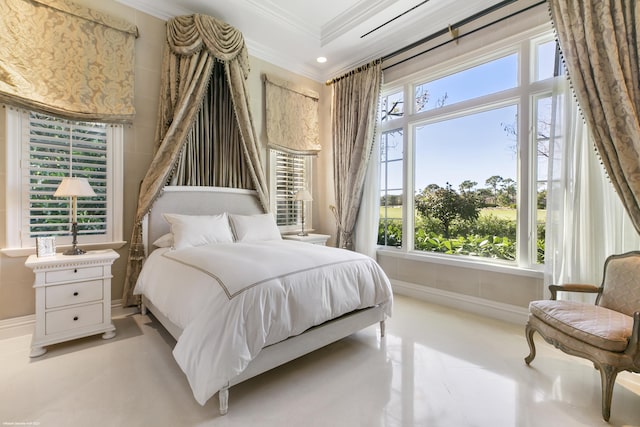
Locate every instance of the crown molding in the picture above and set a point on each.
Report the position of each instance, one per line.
(161, 10)
(350, 18)
(276, 14)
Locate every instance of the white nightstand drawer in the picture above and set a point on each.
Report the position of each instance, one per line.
(73, 293)
(73, 274)
(72, 318)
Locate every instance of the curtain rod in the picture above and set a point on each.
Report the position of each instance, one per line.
(354, 71)
(456, 26)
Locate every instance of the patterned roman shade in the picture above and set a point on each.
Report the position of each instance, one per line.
(66, 60)
(292, 117)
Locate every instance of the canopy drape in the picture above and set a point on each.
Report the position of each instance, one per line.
(599, 42)
(292, 117)
(354, 110)
(64, 59)
(194, 44)
(212, 154)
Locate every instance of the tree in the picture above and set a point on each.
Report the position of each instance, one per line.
(467, 186)
(445, 205)
(493, 182)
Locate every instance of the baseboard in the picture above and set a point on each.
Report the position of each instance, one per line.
(496, 310)
(23, 325)
(17, 326)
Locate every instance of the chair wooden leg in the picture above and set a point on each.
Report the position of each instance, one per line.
(528, 332)
(608, 376)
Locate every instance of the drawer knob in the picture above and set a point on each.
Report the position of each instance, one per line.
(75, 318)
(75, 294)
(75, 270)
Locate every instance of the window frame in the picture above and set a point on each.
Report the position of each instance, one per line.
(17, 198)
(525, 96)
(272, 176)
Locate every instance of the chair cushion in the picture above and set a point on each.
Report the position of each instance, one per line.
(592, 324)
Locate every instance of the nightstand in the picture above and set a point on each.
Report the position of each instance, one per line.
(73, 297)
(316, 239)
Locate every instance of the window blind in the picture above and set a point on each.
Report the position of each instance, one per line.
(60, 148)
(291, 176)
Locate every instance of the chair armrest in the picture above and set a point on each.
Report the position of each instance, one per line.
(574, 287)
(635, 339)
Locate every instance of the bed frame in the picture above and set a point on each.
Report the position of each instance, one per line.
(214, 200)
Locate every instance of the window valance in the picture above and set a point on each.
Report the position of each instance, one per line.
(291, 116)
(66, 60)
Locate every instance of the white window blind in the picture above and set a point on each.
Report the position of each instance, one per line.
(290, 173)
(43, 150)
(60, 148)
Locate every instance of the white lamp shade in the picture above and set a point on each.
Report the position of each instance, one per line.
(78, 187)
(304, 195)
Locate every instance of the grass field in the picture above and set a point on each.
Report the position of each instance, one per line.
(501, 213)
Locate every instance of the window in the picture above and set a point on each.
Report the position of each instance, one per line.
(289, 173)
(391, 157)
(50, 149)
(459, 169)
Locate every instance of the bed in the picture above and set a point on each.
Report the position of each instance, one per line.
(234, 309)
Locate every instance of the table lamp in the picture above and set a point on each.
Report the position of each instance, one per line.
(303, 196)
(74, 188)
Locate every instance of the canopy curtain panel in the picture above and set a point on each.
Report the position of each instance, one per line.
(599, 42)
(212, 154)
(64, 59)
(194, 44)
(354, 108)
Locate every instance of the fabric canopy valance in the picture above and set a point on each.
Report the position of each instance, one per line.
(292, 117)
(66, 60)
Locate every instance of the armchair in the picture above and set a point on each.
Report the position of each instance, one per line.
(606, 333)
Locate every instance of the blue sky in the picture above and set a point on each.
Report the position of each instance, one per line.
(473, 148)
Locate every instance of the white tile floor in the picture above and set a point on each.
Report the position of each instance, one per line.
(436, 367)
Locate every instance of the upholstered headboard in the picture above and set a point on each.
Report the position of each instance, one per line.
(196, 201)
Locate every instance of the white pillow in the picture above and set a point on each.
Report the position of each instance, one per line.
(248, 228)
(164, 241)
(198, 230)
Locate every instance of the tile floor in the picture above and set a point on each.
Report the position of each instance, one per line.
(436, 367)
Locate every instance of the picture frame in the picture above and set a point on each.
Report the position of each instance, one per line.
(45, 246)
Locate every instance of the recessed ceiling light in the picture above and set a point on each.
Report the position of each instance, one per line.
(321, 59)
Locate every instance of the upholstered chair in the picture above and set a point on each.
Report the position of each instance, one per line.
(606, 333)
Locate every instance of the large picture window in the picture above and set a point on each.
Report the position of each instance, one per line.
(473, 141)
(50, 148)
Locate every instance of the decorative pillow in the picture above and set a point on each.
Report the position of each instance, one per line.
(249, 228)
(198, 230)
(164, 241)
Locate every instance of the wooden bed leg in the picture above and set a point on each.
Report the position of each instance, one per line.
(382, 326)
(223, 397)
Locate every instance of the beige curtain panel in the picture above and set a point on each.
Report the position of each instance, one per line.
(292, 117)
(194, 44)
(354, 111)
(67, 60)
(599, 42)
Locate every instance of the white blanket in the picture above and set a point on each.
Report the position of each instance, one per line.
(257, 294)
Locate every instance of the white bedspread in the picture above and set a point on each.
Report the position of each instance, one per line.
(245, 296)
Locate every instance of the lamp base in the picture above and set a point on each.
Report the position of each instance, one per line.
(303, 233)
(74, 251)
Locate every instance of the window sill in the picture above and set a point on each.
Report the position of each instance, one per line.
(23, 252)
(467, 262)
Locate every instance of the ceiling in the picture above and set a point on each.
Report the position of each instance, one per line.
(293, 33)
